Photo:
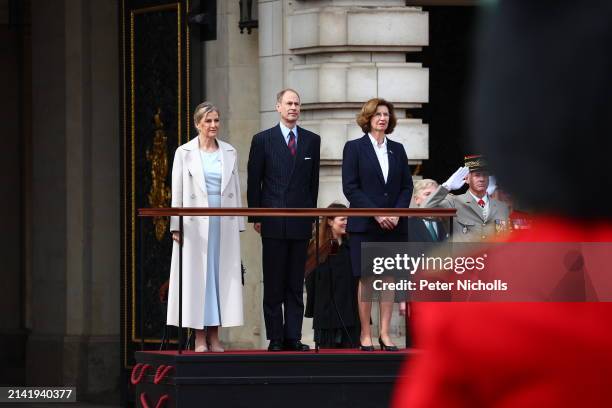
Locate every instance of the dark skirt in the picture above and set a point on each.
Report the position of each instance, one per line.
(358, 237)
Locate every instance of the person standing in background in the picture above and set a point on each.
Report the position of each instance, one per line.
(330, 285)
(375, 174)
(205, 174)
(422, 229)
(283, 172)
(478, 215)
(425, 229)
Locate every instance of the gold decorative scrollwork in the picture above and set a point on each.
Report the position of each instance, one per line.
(160, 193)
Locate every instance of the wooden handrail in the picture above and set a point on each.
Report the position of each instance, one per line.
(297, 212)
(267, 212)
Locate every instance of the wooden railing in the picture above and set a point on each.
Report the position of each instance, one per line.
(297, 212)
(267, 212)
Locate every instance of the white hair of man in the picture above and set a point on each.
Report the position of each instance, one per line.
(421, 185)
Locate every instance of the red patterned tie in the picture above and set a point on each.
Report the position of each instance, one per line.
(481, 203)
(291, 144)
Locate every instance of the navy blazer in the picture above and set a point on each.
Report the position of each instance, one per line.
(418, 232)
(364, 185)
(276, 179)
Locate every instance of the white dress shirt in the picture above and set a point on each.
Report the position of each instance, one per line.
(485, 209)
(434, 226)
(381, 154)
(285, 130)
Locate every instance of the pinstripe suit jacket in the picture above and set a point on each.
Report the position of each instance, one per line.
(278, 180)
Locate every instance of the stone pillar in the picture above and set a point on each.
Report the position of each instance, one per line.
(337, 54)
(14, 111)
(75, 198)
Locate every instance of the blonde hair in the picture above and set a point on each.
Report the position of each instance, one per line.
(421, 185)
(368, 110)
(202, 110)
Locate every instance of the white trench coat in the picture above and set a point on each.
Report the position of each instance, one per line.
(189, 190)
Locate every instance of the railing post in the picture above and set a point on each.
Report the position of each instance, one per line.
(317, 263)
(141, 281)
(180, 284)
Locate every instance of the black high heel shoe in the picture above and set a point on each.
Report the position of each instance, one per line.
(365, 348)
(384, 347)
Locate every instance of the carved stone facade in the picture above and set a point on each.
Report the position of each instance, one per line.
(338, 54)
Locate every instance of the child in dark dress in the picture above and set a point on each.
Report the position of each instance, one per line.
(331, 287)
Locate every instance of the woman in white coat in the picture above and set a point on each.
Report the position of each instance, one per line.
(205, 174)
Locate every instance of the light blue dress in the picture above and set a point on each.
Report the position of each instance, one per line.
(211, 165)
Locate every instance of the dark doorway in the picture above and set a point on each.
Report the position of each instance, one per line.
(449, 58)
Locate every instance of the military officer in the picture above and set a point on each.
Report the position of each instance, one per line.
(479, 216)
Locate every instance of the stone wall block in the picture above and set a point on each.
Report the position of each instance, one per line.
(304, 30)
(355, 27)
(305, 80)
(403, 82)
(385, 27)
(362, 82)
(358, 82)
(332, 82)
(332, 28)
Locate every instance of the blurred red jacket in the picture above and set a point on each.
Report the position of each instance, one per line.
(514, 354)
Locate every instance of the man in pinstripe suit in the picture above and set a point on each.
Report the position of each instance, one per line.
(283, 172)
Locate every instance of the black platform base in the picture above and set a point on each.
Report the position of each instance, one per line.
(254, 379)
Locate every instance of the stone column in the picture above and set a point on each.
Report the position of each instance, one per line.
(337, 54)
(75, 198)
(14, 115)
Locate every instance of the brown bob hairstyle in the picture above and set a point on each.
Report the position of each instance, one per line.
(325, 237)
(369, 109)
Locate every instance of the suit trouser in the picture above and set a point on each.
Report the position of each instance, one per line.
(283, 272)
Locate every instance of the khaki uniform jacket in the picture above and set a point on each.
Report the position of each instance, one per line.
(469, 225)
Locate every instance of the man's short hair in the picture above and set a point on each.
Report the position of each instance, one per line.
(279, 96)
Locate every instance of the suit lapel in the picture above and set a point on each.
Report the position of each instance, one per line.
(228, 159)
(469, 201)
(194, 163)
(392, 161)
(301, 145)
(280, 146)
(492, 209)
(369, 149)
(302, 142)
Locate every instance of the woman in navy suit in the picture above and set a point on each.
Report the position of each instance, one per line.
(375, 174)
